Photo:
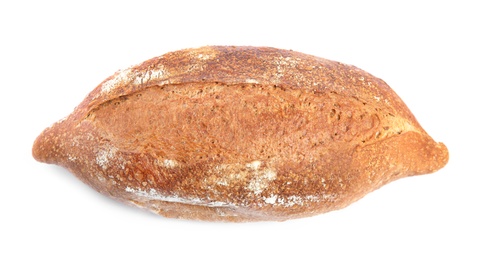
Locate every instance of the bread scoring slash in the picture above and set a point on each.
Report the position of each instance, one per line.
(224, 133)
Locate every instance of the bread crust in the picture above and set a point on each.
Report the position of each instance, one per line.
(240, 134)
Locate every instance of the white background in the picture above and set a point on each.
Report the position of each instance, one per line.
(52, 54)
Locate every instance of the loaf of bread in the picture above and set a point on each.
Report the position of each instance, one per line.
(240, 134)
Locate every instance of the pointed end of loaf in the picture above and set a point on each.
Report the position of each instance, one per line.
(42, 147)
(422, 154)
(440, 157)
(407, 154)
(48, 146)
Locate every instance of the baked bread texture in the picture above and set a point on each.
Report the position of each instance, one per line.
(240, 134)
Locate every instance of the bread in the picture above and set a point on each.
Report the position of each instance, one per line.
(240, 134)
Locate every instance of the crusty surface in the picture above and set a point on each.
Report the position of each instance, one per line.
(240, 134)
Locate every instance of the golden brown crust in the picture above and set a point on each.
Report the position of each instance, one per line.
(240, 134)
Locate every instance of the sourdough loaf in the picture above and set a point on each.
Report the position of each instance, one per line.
(240, 134)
